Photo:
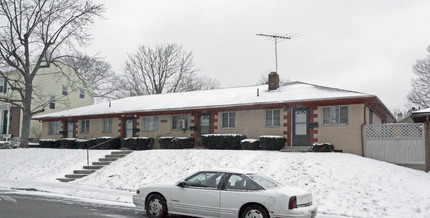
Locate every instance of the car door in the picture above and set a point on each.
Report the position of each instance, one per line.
(199, 195)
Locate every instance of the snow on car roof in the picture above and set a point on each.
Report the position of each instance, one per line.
(225, 97)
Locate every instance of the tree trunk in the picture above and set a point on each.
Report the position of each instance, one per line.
(26, 117)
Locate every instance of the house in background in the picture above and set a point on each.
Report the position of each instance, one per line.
(55, 89)
(303, 113)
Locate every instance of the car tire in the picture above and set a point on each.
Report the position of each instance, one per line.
(254, 211)
(155, 206)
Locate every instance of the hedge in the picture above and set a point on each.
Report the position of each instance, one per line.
(322, 147)
(272, 142)
(222, 141)
(68, 143)
(250, 144)
(176, 142)
(138, 143)
(49, 143)
(81, 143)
(113, 144)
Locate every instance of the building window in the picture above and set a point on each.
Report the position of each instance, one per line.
(2, 85)
(54, 128)
(180, 121)
(52, 102)
(107, 125)
(85, 126)
(82, 93)
(273, 118)
(228, 119)
(65, 90)
(335, 115)
(370, 117)
(150, 123)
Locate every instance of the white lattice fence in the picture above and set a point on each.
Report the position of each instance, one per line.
(395, 143)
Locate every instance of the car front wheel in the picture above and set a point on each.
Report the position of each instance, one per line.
(254, 211)
(155, 206)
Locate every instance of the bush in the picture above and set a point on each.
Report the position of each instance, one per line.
(138, 143)
(81, 144)
(250, 144)
(222, 141)
(49, 143)
(68, 143)
(322, 147)
(176, 142)
(112, 144)
(272, 142)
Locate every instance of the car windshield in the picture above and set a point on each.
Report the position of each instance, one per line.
(264, 181)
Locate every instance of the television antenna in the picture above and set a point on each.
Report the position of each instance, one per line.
(280, 38)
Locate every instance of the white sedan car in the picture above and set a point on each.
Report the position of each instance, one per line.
(225, 194)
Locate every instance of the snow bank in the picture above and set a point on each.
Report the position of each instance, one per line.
(342, 184)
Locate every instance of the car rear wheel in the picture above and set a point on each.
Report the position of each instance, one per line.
(155, 206)
(254, 211)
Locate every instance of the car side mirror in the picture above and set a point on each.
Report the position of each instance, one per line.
(182, 184)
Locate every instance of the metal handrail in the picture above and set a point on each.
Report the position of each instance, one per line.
(88, 149)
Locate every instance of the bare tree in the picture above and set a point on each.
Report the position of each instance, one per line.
(32, 38)
(420, 94)
(163, 69)
(98, 73)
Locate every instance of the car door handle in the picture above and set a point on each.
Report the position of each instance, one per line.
(175, 200)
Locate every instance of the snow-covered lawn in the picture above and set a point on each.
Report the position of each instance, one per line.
(342, 184)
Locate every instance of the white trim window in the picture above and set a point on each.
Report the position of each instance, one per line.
(107, 125)
(65, 90)
(179, 121)
(54, 128)
(81, 93)
(150, 123)
(228, 120)
(52, 102)
(273, 118)
(2, 85)
(335, 115)
(85, 126)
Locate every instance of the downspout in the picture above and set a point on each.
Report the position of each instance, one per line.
(362, 132)
(8, 120)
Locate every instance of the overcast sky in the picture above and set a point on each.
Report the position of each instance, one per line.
(366, 46)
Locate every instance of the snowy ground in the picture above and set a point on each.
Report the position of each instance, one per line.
(343, 184)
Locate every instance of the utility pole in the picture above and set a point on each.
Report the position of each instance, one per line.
(282, 38)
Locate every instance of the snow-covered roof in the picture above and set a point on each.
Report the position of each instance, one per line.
(423, 111)
(225, 97)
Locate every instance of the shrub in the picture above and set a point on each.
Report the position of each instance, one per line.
(112, 144)
(250, 144)
(176, 142)
(322, 147)
(222, 141)
(49, 143)
(138, 143)
(81, 143)
(68, 143)
(272, 142)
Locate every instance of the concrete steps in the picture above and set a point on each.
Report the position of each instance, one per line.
(87, 170)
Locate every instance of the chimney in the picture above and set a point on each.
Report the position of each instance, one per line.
(273, 81)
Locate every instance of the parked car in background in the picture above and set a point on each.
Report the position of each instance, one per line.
(225, 194)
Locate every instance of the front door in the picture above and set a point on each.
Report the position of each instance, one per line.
(301, 127)
(204, 125)
(69, 129)
(128, 130)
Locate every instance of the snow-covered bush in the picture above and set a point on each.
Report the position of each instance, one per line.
(112, 144)
(68, 143)
(81, 143)
(49, 143)
(222, 141)
(250, 144)
(323, 147)
(176, 142)
(138, 143)
(270, 142)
